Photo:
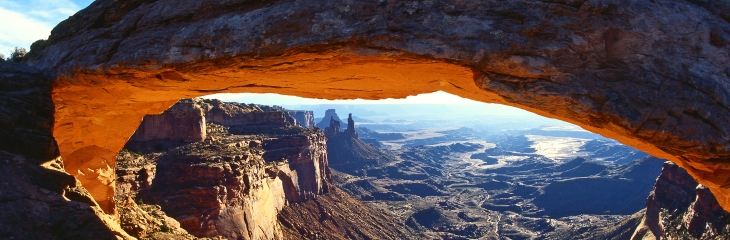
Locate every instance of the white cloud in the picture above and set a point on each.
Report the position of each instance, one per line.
(22, 30)
(25, 22)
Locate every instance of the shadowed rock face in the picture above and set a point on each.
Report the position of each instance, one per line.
(184, 121)
(679, 208)
(304, 118)
(38, 199)
(651, 74)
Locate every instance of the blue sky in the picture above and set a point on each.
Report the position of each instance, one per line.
(25, 21)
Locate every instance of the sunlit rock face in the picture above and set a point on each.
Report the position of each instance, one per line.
(679, 208)
(38, 199)
(651, 74)
(246, 117)
(184, 121)
(226, 185)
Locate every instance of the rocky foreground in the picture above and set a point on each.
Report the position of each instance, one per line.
(239, 172)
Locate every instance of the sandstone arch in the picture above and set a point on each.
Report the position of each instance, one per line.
(652, 75)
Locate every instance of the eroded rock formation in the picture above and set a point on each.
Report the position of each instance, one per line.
(246, 117)
(350, 130)
(226, 185)
(680, 208)
(184, 121)
(304, 118)
(38, 199)
(651, 74)
(333, 129)
(347, 153)
(338, 215)
(326, 121)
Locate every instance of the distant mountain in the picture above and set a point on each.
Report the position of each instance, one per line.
(348, 154)
(329, 114)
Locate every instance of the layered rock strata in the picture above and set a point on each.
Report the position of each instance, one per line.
(680, 208)
(304, 118)
(184, 121)
(246, 118)
(229, 185)
(38, 199)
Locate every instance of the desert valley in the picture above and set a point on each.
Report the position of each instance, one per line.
(571, 119)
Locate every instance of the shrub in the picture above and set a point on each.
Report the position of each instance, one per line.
(164, 227)
(17, 54)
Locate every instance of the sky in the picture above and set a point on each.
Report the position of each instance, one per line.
(26, 21)
(438, 97)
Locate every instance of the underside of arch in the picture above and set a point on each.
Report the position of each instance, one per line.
(650, 75)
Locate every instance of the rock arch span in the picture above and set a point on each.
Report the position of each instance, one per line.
(653, 75)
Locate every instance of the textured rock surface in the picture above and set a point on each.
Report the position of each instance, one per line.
(679, 208)
(337, 215)
(308, 168)
(651, 74)
(333, 129)
(304, 118)
(38, 199)
(348, 154)
(227, 188)
(184, 121)
(246, 117)
(26, 113)
(148, 221)
(227, 185)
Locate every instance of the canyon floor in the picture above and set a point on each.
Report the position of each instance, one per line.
(540, 182)
(503, 188)
(390, 178)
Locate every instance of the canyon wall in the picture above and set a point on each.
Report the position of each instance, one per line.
(246, 116)
(304, 118)
(184, 121)
(38, 198)
(680, 208)
(228, 185)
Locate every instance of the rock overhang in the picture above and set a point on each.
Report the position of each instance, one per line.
(651, 75)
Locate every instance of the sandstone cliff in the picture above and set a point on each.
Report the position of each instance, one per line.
(224, 185)
(304, 118)
(625, 69)
(184, 121)
(38, 198)
(680, 208)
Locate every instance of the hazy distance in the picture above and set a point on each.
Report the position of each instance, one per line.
(437, 109)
